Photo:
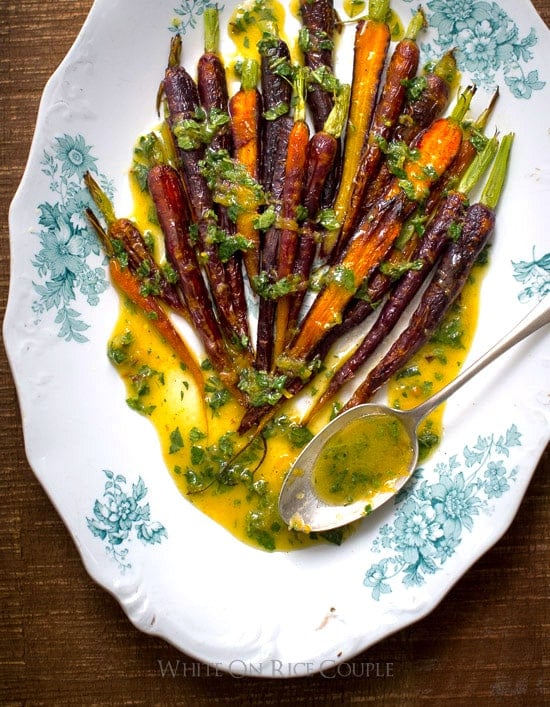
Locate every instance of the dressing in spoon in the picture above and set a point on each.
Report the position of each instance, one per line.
(377, 447)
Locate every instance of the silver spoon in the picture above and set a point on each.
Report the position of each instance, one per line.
(299, 502)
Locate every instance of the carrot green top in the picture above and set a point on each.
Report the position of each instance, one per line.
(495, 183)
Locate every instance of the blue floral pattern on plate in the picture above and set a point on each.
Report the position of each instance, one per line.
(66, 242)
(431, 517)
(120, 513)
(187, 12)
(487, 41)
(535, 275)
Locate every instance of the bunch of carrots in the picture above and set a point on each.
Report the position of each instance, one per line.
(299, 182)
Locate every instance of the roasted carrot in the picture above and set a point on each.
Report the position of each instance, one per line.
(211, 78)
(401, 69)
(472, 144)
(276, 93)
(192, 130)
(428, 97)
(245, 109)
(372, 39)
(268, 273)
(426, 103)
(376, 233)
(449, 215)
(168, 196)
(359, 308)
(402, 251)
(371, 242)
(295, 173)
(413, 259)
(446, 283)
(322, 153)
(125, 235)
(131, 286)
(212, 87)
(316, 40)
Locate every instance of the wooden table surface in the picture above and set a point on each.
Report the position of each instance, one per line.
(66, 641)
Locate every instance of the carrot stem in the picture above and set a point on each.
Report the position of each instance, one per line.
(211, 30)
(495, 183)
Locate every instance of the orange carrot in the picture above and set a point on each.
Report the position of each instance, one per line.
(401, 68)
(372, 40)
(377, 232)
(295, 175)
(130, 286)
(245, 109)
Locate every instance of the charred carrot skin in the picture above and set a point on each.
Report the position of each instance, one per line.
(402, 67)
(266, 311)
(319, 20)
(169, 199)
(442, 291)
(372, 40)
(182, 98)
(277, 93)
(213, 94)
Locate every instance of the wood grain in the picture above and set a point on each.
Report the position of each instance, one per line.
(66, 641)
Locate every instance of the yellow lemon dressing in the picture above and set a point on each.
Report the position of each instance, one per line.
(367, 457)
(438, 362)
(248, 24)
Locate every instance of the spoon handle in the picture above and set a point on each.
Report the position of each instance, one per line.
(537, 318)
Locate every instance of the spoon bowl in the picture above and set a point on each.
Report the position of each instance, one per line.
(304, 508)
(300, 504)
